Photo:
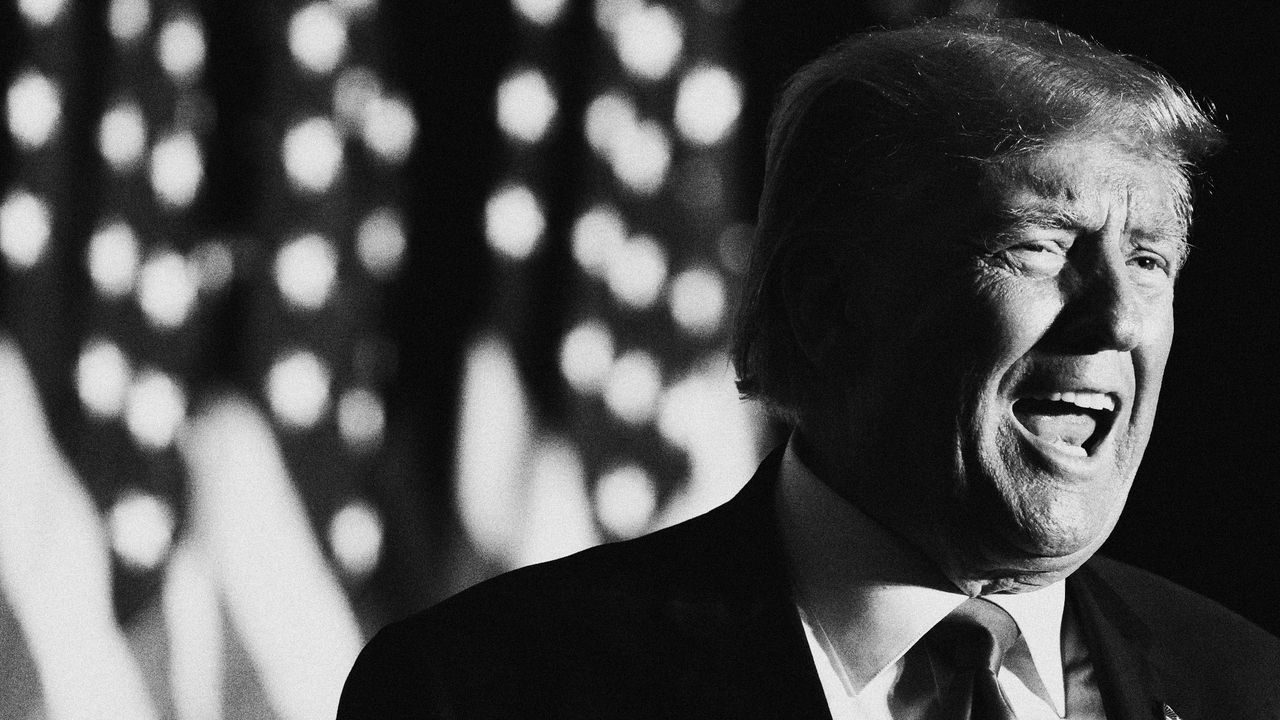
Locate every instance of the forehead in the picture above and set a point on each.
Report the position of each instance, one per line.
(1094, 183)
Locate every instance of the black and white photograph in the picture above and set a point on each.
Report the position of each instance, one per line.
(630, 359)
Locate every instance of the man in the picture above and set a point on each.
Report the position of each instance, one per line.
(961, 298)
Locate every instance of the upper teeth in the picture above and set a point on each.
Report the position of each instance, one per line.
(1090, 400)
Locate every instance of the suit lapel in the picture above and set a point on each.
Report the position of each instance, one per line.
(742, 620)
(1119, 644)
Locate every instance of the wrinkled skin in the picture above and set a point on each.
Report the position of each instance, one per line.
(1062, 280)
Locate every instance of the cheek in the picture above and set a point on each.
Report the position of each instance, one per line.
(1007, 317)
(1160, 335)
(1151, 356)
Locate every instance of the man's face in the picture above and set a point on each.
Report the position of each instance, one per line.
(1002, 381)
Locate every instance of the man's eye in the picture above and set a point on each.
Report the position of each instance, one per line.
(1037, 257)
(1149, 263)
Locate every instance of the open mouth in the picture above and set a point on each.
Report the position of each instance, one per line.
(1072, 422)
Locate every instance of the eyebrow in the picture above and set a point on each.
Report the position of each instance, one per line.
(1025, 217)
(1006, 223)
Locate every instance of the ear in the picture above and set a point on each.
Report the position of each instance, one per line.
(819, 303)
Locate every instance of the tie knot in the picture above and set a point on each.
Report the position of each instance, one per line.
(975, 635)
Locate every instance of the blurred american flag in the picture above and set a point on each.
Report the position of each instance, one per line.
(216, 236)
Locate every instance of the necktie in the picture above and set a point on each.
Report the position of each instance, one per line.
(972, 641)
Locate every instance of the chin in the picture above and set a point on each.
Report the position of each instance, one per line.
(1006, 569)
(1031, 533)
(1050, 528)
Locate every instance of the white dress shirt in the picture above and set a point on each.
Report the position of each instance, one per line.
(866, 597)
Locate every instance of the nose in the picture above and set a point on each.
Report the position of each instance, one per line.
(1104, 308)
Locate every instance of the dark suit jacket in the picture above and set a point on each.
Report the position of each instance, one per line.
(697, 621)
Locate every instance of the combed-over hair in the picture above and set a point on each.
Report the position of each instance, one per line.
(888, 123)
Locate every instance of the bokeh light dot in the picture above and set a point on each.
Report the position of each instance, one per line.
(609, 12)
(608, 119)
(313, 154)
(298, 389)
(708, 103)
(648, 40)
(514, 221)
(354, 89)
(25, 228)
(526, 105)
(389, 128)
(697, 301)
(41, 12)
(318, 37)
(34, 106)
(306, 269)
(678, 410)
(381, 242)
(113, 256)
(641, 159)
(362, 418)
(355, 538)
(122, 136)
(127, 20)
(597, 234)
(103, 374)
(625, 499)
(586, 356)
(155, 409)
(141, 528)
(166, 289)
(177, 169)
(181, 47)
(540, 12)
(637, 270)
(632, 387)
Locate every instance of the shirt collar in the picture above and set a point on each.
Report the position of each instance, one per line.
(871, 596)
